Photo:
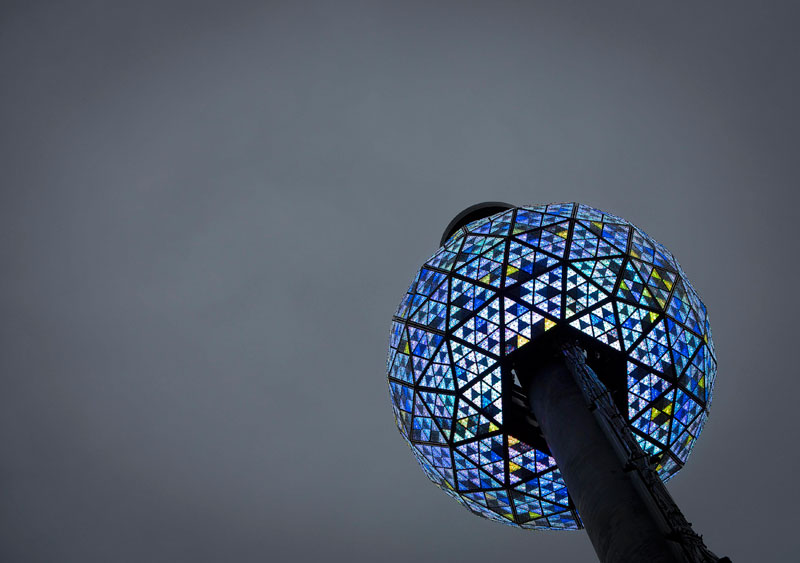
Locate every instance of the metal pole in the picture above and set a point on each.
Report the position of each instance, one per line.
(619, 523)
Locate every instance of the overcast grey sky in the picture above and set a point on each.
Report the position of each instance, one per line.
(209, 212)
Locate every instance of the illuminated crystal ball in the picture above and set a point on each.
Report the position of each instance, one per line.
(508, 281)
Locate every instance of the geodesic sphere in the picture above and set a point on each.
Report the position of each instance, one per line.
(501, 282)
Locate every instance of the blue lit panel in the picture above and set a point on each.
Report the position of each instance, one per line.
(503, 281)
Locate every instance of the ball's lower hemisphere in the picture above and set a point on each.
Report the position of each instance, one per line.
(503, 281)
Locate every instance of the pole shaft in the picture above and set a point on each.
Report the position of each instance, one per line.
(619, 524)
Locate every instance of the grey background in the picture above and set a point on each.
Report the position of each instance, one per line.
(210, 211)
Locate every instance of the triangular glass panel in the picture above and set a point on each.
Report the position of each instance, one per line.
(587, 213)
(644, 387)
(600, 324)
(402, 367)
(602, 272)
(469, 422)
(682, 445)
(581, 294)
(632, 288)
(524, 461)
(432, 314)
(477, 503)
(551, 239)
(394, 336)
(658, 280)
(683, 343)
(501, 224)
(488, 268)
(528, 508)
(485, 390)
(693, 380)
(469, 362)
(553, 489)
(466, 297)
(655, 420)
(441, 407)
(521, 324)
(653, 350)
(524, 262)
(424, 429)
(680, 309)
(544, 292)
(474, 246)
(479, 225)
(429, 280)
(648, 446)
(498, 502)
(634, 322)
(422, 342)
(446, 256)
(588, 242)
(526, 220)
(486, 451)
(437, 456)
(469, 476)
(644, 249)
(440, 474)
(686, 409)
(711, 373)
(562, 209)
(617, 235)
(402, 396)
